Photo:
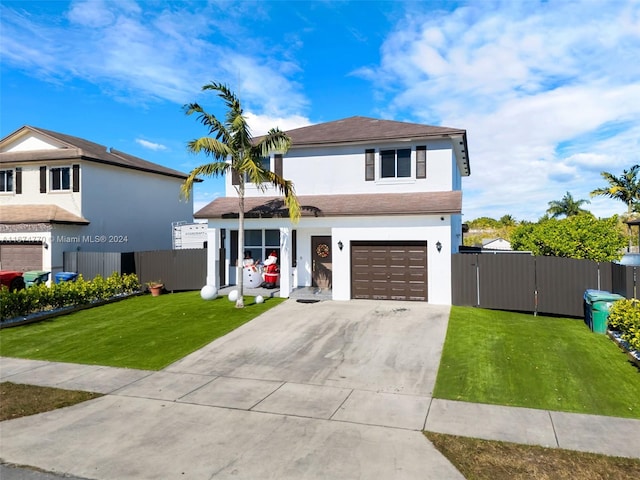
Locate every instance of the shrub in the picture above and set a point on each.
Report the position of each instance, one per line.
(64, 294)
(625, 317)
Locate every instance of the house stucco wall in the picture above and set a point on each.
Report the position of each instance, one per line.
(430, 229)
(341, 170)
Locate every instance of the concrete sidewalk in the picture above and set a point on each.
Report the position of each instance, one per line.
(329, 390)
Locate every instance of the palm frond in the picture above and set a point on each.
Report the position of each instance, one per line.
(213, 169)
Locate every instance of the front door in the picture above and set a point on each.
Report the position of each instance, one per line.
(321, 256)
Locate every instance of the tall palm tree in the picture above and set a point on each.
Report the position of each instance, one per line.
(567, 206)
(235, 151)
(625, 188)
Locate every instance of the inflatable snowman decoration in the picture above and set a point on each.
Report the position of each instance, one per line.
(271, 271)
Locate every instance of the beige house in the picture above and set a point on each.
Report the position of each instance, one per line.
(60, 193)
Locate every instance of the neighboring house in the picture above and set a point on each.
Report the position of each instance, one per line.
(381, 212)
(496, 244)
(60, 193)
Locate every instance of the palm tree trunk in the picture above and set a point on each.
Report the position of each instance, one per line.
(240, 270)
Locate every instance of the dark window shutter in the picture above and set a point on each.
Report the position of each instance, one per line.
(235, 179)
(76, 178)
(369, 165)
(43, 179)
(278, 164)
(18, 180)
(421, 161)
(294, 247)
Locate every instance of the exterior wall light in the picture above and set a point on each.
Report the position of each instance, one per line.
(340, 245)
(438, 246)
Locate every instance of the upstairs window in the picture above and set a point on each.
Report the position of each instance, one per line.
(6, 181)
(60, 179)
(395, 163)
(265, 163)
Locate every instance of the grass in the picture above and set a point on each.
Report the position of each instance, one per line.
(489, 357)
(506, 358)
(142, 332)
(18, 400)
(489, 460)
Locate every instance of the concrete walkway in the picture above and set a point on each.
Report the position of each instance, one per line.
(326, 390)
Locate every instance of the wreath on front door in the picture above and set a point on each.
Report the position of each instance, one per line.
(322, 250)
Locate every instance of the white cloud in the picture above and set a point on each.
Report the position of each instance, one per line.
(150, 145)
(546, 91)
(261, 124)
(139, 53)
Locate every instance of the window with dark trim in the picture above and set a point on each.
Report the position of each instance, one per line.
(369, 164)
(294, 247)
(421, 161)
(6, 181)
(265, 163)
(395, 163)
(60, 179)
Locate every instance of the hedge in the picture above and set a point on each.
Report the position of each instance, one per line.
(39, 298)
(624, 316)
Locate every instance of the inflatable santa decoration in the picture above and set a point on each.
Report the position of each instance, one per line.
(270, 272)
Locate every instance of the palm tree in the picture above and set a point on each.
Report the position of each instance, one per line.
(567, 206)
(235, 151)
(625, 188)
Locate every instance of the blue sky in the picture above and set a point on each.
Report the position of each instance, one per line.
(549, 91)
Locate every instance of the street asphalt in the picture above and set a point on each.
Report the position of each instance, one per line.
(305, 391)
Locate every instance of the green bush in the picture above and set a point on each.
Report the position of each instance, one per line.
(625, 317)
(64, 294)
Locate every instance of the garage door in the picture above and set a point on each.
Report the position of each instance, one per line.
(21, 256)
(389, 270)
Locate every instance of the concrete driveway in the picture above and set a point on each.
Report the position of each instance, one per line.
(305, 391)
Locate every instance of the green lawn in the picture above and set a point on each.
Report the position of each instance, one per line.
(142, 332)
(548, 363)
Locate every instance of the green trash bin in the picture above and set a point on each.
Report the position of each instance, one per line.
(35, 277)
(597, 307)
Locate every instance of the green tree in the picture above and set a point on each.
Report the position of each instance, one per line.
(579, 236)
(625, 188)
(567, 206)
(508, 221)
(235, 151)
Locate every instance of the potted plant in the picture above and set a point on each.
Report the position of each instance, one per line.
(155, 287)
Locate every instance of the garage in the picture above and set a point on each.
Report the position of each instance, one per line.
(21, 256)
(389, 270)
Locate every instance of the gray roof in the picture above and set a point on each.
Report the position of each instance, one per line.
(367, 130)
(81, 149)
(363, 129)
(370, 204)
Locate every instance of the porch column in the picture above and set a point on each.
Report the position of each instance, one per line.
(286, 272)
(213, 248)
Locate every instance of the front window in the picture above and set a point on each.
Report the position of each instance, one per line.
(395, 163)
(259, 244)
(6, 180)
(60, 178)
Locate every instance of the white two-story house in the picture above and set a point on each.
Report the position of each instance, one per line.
(60, 193)
(381, 212)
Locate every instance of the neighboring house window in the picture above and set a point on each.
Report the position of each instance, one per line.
(60, 179)
(6, 180)
(260, 243)
(395, 163)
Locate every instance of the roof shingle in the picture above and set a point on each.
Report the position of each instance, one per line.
(372, 204)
